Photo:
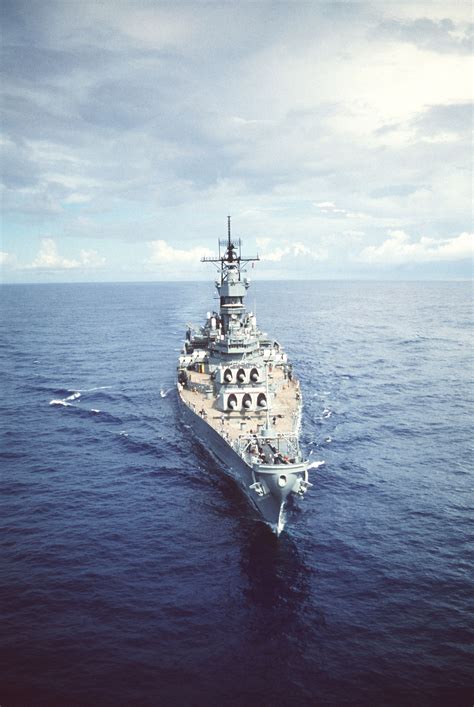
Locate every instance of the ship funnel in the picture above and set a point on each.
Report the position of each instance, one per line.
(254, 375)
(228, 376)
(232, 402)
(241, 375)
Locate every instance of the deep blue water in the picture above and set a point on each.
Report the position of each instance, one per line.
(134, 573)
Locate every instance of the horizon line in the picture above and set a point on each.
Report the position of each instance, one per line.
(177, 282)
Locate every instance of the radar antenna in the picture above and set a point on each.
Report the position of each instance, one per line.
(230, 256)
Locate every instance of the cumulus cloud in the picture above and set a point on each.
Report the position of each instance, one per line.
(276, 253)
(48, 258)
(310, 117)
(399, 248)
(164, 254)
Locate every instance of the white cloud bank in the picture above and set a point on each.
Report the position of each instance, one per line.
(48, 258)
(323, 124)
(164, 254)
(399, 248)
(276, 253)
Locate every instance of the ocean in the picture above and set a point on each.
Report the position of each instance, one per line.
(133, 572)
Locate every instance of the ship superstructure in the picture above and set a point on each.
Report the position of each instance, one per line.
(240, 395)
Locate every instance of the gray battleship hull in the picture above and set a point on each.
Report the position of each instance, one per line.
(239, 396)
(270, 508)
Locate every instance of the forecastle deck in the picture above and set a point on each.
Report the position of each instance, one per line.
(198, 393)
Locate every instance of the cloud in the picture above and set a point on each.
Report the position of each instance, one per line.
(329, 208)
(440, 123)
(309, 118)
(353, 235)
(6, 259)
(76, 198)
(48, 258)
(164, 254)
(443, 35)
(276, 254)
(399, 248)
(453, 119)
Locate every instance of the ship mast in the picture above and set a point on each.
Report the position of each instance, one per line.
(231, 287)
(230, 255)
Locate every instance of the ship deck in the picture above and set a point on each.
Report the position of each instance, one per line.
(284, 410)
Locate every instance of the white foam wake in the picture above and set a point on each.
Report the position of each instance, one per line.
(65, 401)
(74, 396)
(164, 393)
(60, 402)
(281, 521)
(316, 465)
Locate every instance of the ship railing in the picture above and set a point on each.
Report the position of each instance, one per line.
(279, 443)
(291, 467)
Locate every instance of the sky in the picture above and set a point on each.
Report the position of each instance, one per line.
(338, 136)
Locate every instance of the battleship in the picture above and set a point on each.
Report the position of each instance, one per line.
(238, 393)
